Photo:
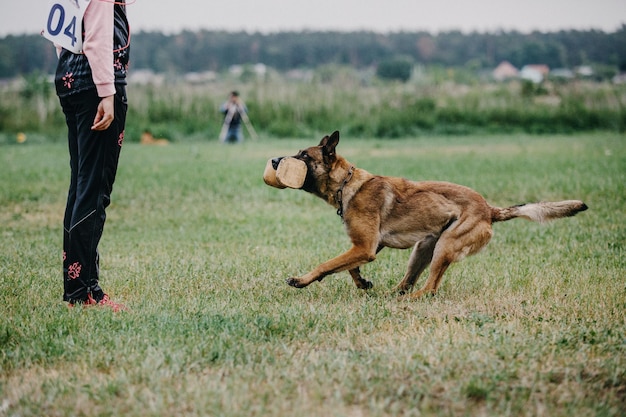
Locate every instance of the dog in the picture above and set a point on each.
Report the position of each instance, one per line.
(443, 222)
(148, 139)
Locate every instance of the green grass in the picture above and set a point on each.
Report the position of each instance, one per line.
(199, 248)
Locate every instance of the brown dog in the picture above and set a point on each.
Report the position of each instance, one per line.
(443, 222)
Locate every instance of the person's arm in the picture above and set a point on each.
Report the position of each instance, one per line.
(98, 48)
(98, 45)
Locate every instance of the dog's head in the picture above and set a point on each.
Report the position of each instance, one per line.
(319, 161)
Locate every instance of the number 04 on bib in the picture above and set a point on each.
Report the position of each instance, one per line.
(64, 24)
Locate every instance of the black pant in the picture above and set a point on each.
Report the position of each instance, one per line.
(94, 156)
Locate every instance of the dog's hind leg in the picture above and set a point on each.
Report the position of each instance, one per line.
(359, 281)
(421, 256)
(466, 238)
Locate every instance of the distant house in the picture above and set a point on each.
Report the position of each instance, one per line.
(562, 73)
(535, 73)
(619, 78)
(584, 71)
(145, 77)
(504, 71)
(200, 77)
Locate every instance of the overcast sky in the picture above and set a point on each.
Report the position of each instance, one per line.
(171, 16)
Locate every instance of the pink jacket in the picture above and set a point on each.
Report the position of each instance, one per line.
(104, 61)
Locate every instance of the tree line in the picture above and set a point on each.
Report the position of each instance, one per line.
(197, 51)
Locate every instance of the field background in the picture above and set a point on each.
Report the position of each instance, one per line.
(199, 248)
(432, 103)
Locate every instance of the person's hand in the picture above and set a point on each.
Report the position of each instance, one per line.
(105, 114)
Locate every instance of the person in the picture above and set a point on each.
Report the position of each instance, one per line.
(234, 111)
(91, 87)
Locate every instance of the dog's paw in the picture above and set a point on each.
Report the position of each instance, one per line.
(365, 284)
(400, 291)
(408, 295)
(294, 282)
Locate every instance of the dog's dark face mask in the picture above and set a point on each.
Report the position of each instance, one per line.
(319, 161)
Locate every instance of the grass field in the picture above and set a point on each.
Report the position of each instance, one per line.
(199, 249)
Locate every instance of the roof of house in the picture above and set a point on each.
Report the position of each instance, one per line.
(505, 70)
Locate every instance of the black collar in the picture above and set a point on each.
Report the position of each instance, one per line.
(339, 194)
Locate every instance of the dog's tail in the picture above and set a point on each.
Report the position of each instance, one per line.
(538, 212)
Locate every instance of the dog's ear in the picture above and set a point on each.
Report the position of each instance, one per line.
(330, 143)
(334, 139)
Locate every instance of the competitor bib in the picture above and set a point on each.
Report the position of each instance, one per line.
(65, 24)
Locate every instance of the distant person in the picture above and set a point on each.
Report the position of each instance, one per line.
(91, 86)
(234, 111)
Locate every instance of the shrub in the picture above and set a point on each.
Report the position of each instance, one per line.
(395, 69)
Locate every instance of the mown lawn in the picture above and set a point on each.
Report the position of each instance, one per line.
(199, 248)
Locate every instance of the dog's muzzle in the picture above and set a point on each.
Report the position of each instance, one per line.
(276, 161)
(282, 172)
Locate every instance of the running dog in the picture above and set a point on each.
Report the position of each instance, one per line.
(441, 221)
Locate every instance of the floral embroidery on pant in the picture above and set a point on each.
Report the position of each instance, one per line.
(68, 79)
(73, 271)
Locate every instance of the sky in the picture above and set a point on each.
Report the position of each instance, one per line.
(172, 16)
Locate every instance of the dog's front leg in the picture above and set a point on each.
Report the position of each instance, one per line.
(359, 281)
(350, 260)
